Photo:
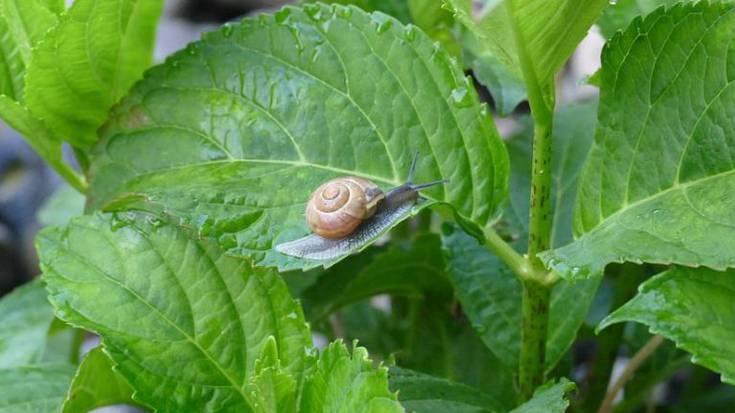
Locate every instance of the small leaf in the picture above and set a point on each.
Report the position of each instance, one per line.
(189, 322)
(23, 23)
(87, 62)
(95, 384)
(694, 308)
(421, 393)
(233, 134)
(660, 174)
(551, 30)
(33, 130)
(25, 317)
(549, 398)
(347, 383)
(34, 389)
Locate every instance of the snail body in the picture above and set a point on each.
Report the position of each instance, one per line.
(346, 213)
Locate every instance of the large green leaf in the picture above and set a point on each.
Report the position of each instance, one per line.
(189, 323)
(619, 15)
(549, 398)
(659, 185)
(413, 272)
(488, 290)
(34, 389)
(491, 297)
(551, 30)
(23, 24)
(422, 393)
(345, 383)
(694, 308)
(87, 62)
(25, 317)
(233, 134)
(95, 384)
(63, 205)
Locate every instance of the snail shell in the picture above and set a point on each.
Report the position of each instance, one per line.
(339, 206)
(347, 214)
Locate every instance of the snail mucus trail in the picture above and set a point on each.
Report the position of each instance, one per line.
(396, 203)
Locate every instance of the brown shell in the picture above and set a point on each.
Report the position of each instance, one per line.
(337, 207)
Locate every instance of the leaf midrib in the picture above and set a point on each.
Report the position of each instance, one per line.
(652, 197)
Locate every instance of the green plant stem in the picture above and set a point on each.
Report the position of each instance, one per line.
(536, 293)
(507, 254)
(535, 320)
(628, 372)
(70, 175)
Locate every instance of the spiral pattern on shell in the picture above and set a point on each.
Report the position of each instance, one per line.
(339, 206)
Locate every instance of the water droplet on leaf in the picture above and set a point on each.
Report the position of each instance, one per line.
(461, 97)
(410, 32)
(227, 30)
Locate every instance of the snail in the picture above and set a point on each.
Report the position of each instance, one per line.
(346, 213)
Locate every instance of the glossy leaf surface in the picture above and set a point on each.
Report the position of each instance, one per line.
(23, 24)
(692, 307)
(105, 45)
(190, 323)
(233, 134)
(659, 186)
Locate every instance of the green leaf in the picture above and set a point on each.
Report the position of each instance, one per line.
(506, 88)
(488, 290)
(34, 389)
(23, 23)
(549, 398)
(36, 133)
(344, 382)
(87, 62)
(63, 205)
(551, 30)
(692, 307)
(189, 322)
(660, 173)
(233, 134)
(396, 8)
(411, 272)
(25, 317)
(437, 22)
(618, 16)
(422, 393)
(491, 297)
(95, 384)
